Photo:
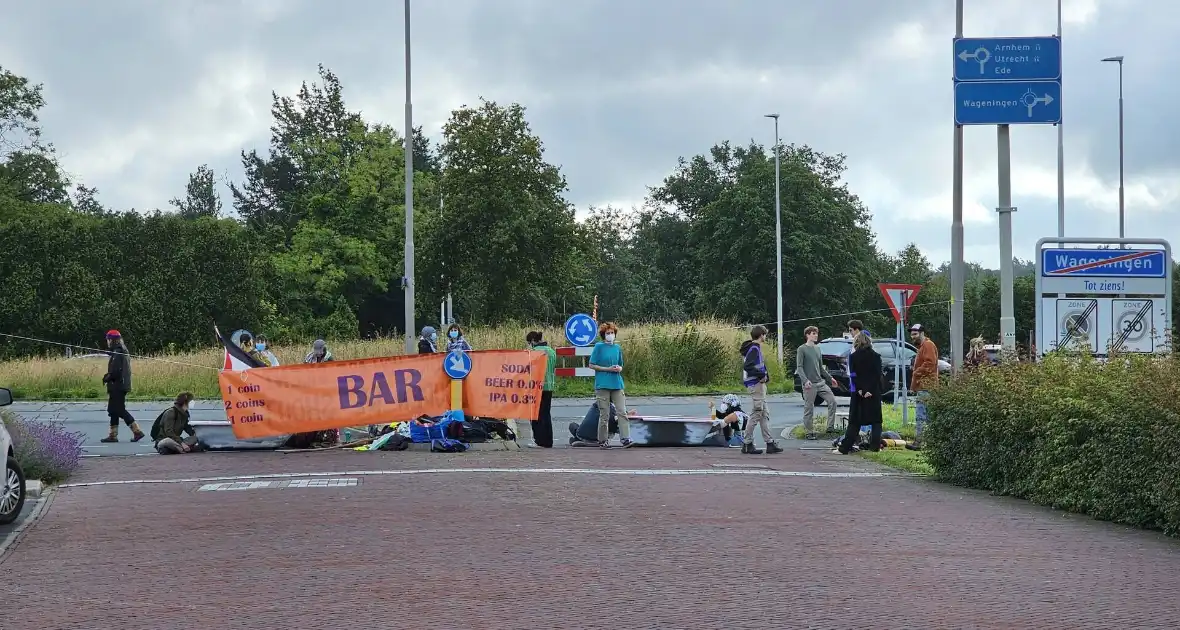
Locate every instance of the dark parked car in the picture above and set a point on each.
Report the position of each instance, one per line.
(835, 351)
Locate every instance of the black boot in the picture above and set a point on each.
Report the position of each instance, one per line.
(772, 448)
(749, 449)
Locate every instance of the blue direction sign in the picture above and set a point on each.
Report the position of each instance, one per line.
(1008, 59)
(580, 330)
(1103, 263)
(457, 364)
(1008, 103)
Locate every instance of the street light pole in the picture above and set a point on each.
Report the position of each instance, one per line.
(1122, 206)
(778, 241)
(408, 280)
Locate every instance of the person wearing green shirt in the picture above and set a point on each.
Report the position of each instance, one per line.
(543, 425)
(606, 359)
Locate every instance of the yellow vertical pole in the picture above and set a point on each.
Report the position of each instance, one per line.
(456, 394)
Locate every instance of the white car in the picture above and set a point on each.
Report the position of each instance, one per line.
(12, 484)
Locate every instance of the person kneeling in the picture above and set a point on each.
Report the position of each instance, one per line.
(170, 424)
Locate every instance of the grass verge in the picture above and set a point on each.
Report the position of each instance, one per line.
(899, 458)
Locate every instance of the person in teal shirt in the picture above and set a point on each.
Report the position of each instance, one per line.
(543, 425)
(607, 362)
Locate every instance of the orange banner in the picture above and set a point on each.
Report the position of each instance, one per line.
(264, 402)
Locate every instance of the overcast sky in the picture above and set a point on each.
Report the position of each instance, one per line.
(141, 92)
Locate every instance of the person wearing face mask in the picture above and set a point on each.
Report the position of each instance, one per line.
(261, 354)
(543, 425)
(428, 341)
(455, 340)
(606, 359)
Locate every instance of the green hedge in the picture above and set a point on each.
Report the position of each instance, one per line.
(1072, 433)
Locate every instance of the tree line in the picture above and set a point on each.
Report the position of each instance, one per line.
(313, 244)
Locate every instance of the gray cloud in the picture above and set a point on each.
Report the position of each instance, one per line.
(142, 92)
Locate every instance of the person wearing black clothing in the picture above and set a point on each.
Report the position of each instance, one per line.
(118, 383)
(864, 406)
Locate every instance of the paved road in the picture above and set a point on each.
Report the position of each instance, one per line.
(635, 539)
(90, 418)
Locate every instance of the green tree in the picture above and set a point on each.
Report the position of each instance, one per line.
(200, 198)
(506, 234)
(727, 201)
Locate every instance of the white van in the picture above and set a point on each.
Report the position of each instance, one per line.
(12, 485)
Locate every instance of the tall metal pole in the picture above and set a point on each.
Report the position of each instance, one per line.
(957, 267)
(1004, 168)
(408, 280)
(1060, 160)
(1122, 198)
(778, 240)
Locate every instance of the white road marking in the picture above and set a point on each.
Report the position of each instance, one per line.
(509, 471)
(281, 484)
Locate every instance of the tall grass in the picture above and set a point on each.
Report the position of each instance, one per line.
(694, 358)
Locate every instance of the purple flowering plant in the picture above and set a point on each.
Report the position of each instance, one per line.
(45, 450)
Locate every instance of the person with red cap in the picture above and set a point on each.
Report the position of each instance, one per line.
(118, 382)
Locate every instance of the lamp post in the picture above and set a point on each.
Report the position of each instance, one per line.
(1122, 206)
(778, 242)
(408, 280)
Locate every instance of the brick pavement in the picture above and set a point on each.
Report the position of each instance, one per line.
(566, 551)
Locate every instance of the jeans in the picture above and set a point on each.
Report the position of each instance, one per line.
(920, 407)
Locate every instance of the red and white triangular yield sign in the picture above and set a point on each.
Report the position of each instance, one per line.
(897, 294)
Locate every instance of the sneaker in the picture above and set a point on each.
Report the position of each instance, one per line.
(913, 447)
(626, 443)
(772, 448)
(811, 436)
(531, 444)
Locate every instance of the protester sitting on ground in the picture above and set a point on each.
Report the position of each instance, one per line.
(456, 340)
(585, 433)
(170, 424)
(730, 414)
(319, 352)
(864, 406)
(428, 340)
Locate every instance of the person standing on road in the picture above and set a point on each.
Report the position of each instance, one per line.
(606, 359)
(169, 425)
(755, 377)
(864, 407)
(118, 384)
(809, 366)
(924, 377)
(543, 425)
(456, 340)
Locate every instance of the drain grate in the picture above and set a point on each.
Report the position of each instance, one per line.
(344, 482)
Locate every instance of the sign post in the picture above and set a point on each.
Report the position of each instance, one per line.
(1103, 298)
(1006, 81)
(899, 297)
(457, 365)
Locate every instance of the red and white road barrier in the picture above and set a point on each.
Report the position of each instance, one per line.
(571, 372)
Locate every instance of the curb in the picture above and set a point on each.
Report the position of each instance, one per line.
(8, 543)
